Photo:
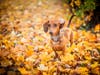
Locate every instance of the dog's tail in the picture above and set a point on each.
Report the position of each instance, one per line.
(70, 20)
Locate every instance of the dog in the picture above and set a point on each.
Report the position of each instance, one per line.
(60, 36)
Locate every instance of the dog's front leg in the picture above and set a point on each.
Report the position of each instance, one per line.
(57, 57)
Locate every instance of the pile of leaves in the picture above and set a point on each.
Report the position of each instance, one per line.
(25, 48)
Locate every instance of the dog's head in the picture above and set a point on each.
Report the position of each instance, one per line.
(53, 27)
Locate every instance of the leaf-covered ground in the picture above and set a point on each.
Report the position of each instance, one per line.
(25, 48)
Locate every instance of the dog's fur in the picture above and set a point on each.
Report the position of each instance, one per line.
(60, 36)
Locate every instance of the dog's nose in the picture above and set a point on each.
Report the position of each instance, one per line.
(50, 33)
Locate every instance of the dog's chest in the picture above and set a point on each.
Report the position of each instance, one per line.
(61, 44)
(57, 46)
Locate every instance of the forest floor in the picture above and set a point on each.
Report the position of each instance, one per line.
(25, 48)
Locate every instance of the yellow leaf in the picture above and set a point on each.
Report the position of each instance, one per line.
(23, 71)
(73, 46)
(78, 2)
(82, 70)
(67, 57)
(97, 28)
(76, 36)
(97, 45)
(20, 58)
(94, 65)
(6, 63)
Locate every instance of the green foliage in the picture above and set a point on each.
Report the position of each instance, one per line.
(88, 5)
(80, 9)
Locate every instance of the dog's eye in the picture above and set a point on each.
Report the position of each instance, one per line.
(48, 25)
(55, 25)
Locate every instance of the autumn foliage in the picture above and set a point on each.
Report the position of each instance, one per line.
(25, 48)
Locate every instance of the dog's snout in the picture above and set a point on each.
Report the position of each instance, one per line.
(55, 38)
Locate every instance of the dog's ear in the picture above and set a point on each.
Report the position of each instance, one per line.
(62, 22)
(45, 26)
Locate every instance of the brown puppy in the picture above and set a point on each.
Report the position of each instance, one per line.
(60, 37)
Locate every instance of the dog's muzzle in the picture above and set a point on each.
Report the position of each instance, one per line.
(55, 38)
